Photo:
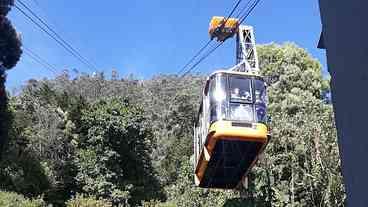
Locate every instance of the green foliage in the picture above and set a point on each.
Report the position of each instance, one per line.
(180, 145)
(10, 44)
(10, 51)
(81, 201)
(121, 142)
(5, 115)
(5, 6)
(171, 104)
(43, 131)
(155, 203)
(301, 165)
(294, 74)
(184, 193)
(113, 153)
(15, 200)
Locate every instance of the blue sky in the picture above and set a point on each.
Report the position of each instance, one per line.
(149, 37)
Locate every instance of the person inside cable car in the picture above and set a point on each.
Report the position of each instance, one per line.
(241, 89)
(235, 93)
(241, 94)
(241, 99)
(260, 100)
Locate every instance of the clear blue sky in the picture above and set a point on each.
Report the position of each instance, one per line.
(149, 37)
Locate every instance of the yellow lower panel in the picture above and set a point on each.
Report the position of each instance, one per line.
(223, 130)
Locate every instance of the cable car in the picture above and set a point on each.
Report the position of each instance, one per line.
(230, 131)
(231, 128)
(223, 28)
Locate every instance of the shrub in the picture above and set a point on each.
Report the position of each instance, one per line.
(82, 201)
(155, 203)
(8, 199)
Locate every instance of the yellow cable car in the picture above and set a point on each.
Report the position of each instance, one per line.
(231, 129)
(223, 28)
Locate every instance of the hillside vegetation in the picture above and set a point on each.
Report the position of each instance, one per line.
(79, 140)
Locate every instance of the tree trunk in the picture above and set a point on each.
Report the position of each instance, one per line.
(4, 114)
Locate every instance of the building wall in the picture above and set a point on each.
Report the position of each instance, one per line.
(345, 33)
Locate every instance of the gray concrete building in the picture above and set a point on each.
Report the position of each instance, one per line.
(345, 38)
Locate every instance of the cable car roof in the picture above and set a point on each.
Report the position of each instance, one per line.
(252, 74)
(230, 72)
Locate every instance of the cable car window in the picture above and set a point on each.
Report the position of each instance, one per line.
(260, 100)
(213, 103)
(212, 87)
(241, 112)
(240, 89)
(222, 96)
(217, 91)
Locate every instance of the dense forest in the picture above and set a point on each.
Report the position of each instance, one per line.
(81, 140)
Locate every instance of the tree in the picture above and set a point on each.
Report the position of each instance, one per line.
(181, 116)
(10, 44)
(171, 104)
(42, 131)
(5, 115)
(183, 193)
(297, 167)
(113, 153)
(10, 51)
(5, 6)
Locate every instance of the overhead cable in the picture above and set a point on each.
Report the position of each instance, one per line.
(202, 58)
(245, 7)
(40, 60)
(252, 7)
(233, 10)
(195, 56)
(54, 35)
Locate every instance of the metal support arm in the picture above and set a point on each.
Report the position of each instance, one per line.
(246, 52)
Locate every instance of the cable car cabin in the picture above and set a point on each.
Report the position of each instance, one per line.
(230, 131)
(223, 29)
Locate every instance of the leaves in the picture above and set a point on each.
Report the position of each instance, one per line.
(10, 44)
(5, 6)
(113, 153)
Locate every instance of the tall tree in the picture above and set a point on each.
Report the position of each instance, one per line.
(301, 164)
(10, 51)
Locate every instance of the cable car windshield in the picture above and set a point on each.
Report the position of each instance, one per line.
(238, 98)
(240, 89)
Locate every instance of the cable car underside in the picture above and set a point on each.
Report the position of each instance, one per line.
(228, 157)
(229, 162)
